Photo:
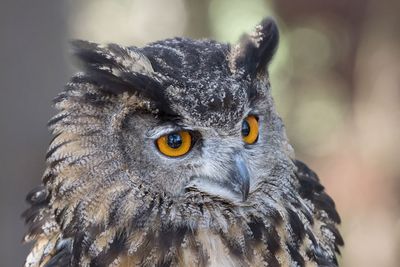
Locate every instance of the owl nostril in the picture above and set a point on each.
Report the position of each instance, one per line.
(193, 177)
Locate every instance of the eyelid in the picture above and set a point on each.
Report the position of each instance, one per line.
(165, 129)
(254, 115)
(159, 131)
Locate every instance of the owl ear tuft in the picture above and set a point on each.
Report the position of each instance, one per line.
(254, 51)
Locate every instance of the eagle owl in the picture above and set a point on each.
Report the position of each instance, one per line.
(173, 155)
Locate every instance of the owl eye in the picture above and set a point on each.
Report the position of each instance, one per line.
(250, 130)
(175, 144)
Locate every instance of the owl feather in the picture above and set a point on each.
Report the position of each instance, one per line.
(110, 197)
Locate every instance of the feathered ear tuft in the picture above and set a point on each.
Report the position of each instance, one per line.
(117, 69)
(254, 51)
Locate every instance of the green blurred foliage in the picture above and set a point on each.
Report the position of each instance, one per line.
(238, 17)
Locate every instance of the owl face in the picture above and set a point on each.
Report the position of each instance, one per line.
(218, 126)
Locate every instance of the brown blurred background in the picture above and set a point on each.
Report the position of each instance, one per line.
(336, 80)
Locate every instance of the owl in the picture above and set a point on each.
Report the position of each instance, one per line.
(173, 155)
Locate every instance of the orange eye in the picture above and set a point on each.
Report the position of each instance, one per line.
(175, 144)
(250, 130)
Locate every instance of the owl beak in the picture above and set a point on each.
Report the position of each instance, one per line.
(241, 177)
(237, 181)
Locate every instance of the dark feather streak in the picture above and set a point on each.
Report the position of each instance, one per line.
(297, 226)
(295, 255)
(98, 65)
(106, 257)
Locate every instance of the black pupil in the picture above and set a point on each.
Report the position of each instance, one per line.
(245, 128)
(174, 140)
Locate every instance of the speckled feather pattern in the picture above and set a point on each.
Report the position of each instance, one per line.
(108, 198)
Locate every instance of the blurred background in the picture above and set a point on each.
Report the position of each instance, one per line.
(336, 81)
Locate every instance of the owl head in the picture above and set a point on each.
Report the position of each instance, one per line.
(174, 116)
(154, 145)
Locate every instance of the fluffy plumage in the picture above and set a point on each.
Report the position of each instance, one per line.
(110, 198)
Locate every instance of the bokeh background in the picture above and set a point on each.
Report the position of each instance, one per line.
(336, 81)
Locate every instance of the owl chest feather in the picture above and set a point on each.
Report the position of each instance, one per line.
(213, 253)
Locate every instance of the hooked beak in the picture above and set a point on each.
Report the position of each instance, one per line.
(240, 177)
(237, 181)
